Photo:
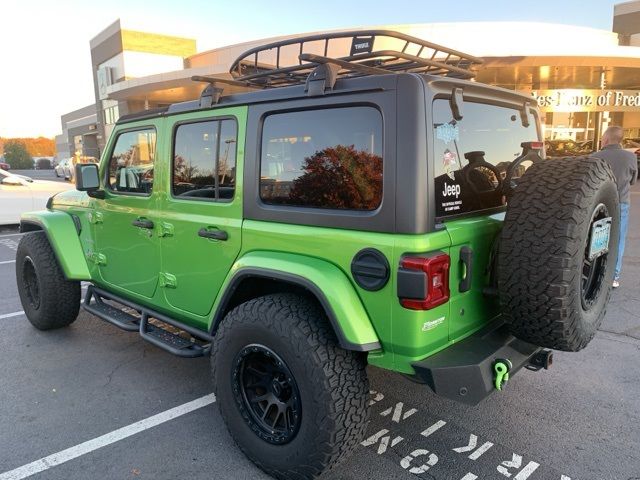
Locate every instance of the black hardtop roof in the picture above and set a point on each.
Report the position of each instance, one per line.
(364, 84)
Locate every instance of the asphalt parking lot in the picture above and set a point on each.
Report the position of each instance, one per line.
(72, 402)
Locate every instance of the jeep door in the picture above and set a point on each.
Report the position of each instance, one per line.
(469, 201)
(128, 250)
(202, 211)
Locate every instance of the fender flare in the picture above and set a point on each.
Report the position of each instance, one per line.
(65, 241)
(345, 311)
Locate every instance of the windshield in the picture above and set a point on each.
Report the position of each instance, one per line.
(463, 181)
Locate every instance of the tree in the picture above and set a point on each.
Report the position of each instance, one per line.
(37, 147)
(16, 155)
(340, 177)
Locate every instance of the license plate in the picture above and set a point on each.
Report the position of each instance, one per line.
(600, 232)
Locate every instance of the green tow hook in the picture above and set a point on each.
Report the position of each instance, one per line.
(501, 368)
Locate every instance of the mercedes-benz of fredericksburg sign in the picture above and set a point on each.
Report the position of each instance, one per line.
(570, 100)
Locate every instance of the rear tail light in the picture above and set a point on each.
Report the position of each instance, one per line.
(533, 145)
(423, 282)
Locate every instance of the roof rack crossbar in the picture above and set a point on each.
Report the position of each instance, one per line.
(213, 91)
(223, 81)
(249, 68)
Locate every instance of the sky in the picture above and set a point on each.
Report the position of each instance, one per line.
(45, 64)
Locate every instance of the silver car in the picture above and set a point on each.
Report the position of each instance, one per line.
(65, 169)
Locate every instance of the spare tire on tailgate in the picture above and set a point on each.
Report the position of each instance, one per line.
(554, 280)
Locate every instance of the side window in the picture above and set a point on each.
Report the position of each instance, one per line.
(462, 184)
(204, 160)
(330, 158)
(131, 163)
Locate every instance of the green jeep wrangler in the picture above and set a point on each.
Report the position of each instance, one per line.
(353, 200)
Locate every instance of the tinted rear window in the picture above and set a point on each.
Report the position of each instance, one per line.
(329, 158)
(495, 130)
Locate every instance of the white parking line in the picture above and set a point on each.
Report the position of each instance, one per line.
(7, 262)
(107, 439)
(12, 235)
(21, 312)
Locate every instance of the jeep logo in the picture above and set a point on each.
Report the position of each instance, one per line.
(450, 190)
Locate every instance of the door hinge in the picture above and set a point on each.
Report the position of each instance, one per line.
(97, 258)
(95, 217)
(166, 229)
(168, 280)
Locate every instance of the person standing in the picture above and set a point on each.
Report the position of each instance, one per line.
(625, 168)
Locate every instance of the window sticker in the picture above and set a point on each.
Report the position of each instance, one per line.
(447, 132)
(451, 197)
(449, 161)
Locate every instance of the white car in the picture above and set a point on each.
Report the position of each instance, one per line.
(65, 169)
(19, 194)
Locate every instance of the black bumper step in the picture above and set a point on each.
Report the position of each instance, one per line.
(197, 346)
(465, 371)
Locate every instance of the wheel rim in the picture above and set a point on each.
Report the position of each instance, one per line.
(30, 282)
(593, 271)
(267, 394)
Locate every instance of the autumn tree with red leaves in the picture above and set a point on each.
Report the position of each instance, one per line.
(339, 177)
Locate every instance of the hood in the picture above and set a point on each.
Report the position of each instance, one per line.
(73, 198)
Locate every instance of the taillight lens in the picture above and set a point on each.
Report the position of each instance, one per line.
(423, 282)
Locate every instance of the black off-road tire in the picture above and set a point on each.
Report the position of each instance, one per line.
(48, 298)
(542, 251)
(332, 384)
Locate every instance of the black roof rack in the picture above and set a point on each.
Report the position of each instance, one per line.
(151, 113)
(290, 62)
(212, 93)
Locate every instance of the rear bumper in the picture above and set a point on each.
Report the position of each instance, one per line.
(464, 371)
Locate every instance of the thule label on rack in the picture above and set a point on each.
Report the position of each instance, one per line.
(361, 45)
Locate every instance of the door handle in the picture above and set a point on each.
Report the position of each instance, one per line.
(213, 234)
(466, 257)
(142, 223)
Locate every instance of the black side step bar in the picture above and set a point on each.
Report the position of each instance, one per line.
(152, 332)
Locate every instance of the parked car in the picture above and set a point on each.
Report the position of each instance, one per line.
(254, 229)
(632, 145)
(64, 169)
(20, 194)
(586, 147)
(67, 166)
(568, 148)
(43, 164)
(5, 166)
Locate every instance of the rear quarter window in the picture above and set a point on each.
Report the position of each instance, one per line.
(324, 158)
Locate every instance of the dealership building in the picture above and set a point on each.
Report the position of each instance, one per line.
(583, 79)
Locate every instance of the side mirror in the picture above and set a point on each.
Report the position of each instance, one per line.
(87, 177)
